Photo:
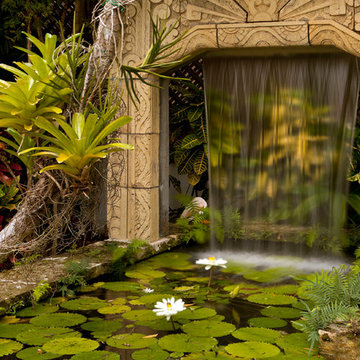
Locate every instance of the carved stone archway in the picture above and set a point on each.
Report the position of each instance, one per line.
(133, 193)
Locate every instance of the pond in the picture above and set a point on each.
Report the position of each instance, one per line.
(246, 313)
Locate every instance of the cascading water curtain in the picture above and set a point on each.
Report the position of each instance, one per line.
(280, 139)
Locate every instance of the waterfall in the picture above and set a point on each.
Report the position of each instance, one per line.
(280, 139)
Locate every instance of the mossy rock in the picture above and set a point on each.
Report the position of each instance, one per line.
(40, 336)
(8, 347)
(121, 286)
(58, 320)
(266, 322)
(136, 315)
(281, 312)
(209, 328)
(150, 354)
(38, 309)
(252, 349)
(70, 346)
(257, 334)
(96, 355)
(271, 299)
(84, 304)
(102, 325)
(33, 353)
(186, 343)
(197, 314)
(296, 343)
(131, 341)
(172, 260)
(10, 331)
(143, 271)
(114, 309)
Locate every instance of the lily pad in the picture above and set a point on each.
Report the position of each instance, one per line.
(242, 288)
(84, 304)
(281, 312)
(144, 271)
(38, 309)
(282, 289)
(269, 275)
(135, 315)
(151, 299)
(118, 301)
(70, 346)
(252, 349)
(58, 320)
(296, 357)
(197, 314)
(197, 279)
(40, 336)
(150, 354)
(186, 343)
(208, 355)
(209, 328)
(114, 309)
(271, 299)
(8, 347)
(121, 286)
(296, 343)
(10, 331)
(160, 324)
(266, 322)
(236, 268)
(96, 355)
(130, 341)
(102, 325)
(257, 334)
(172, 260)
(33, 353)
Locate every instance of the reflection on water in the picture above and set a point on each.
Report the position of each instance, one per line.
(280, 135)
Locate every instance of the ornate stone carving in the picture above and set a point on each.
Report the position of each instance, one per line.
(263, 34)
(331, 33)
(338, 10)
(262, 10)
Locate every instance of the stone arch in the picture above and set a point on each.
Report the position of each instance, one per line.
(133, 178)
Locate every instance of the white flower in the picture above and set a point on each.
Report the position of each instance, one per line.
(148, 290)
(169, 307)
(211, 261)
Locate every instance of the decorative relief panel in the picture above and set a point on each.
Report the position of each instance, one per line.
(331, 33)
(263, 34)
(262, 10)
(341, 11)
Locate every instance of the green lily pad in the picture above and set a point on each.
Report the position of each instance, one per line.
(96, 355)
(33, 353)
(102, 325)
(143, 271)
(266, 322)
(252, 349)
(172, 260)
(38, 309)
(271, 299)
(296, 343)
(186, 288)
(130, 341)
(197, 314)
(257, 334)
(298, 324)
(296, 357)
(150, 354)
(236, 268)
(10, 331)
(242, 288)
(40, 335)
(197, 279)
(160, 324)
(282, 289)
(118, 301)
(208, 355)
(151, 299)
(135, 315)
(8, 347)
(186, 343)
(121, 286)
(209, 328)
(281, 312)
(70, 346)
(114, 309)
(269, 275)
(58, 320)
(176, 355)
(84, 304)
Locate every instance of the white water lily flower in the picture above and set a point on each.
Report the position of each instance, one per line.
(169, 307)
(148, 290)
(211, 261)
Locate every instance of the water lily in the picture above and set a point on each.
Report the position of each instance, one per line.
(148, 290)
(168, 308)
(211, 262)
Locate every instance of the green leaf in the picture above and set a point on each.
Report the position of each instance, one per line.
(96, 355)
(131, 341)
(197, 314)
(209, 328)
(252, 349)
(266, 322)
(186, 343)
(102, 325)
(33, 353)
(257, 334)
(272, 299)
(135, 315)
(10, 331)
(8, 347)
(78, 123)
(58, 320)
(281, 312)
(121, 286)
(37, 309)
(84, 304)
(70, 345)
(201, 162)
(114, 309)
(143, 271)
(295, 344)
(190, 141)
(150, 354)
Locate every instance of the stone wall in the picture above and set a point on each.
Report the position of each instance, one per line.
(133, 177)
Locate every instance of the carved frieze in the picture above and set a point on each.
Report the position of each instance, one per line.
(262, 10)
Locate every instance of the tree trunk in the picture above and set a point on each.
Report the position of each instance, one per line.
(80, 10)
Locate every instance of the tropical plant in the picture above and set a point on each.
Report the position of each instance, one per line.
(79, 145)
(75, 277)
(188, 134)
(9, 197)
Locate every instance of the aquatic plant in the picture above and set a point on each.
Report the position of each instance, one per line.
(168, 308)
(211, 262)
(252, 349)
(70, 345)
